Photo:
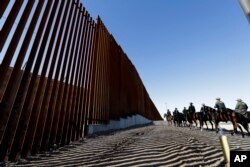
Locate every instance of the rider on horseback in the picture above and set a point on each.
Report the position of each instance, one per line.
(185, 112)
(241, 107)
(176, 112)
(191, 108)
(168, 113)
(191, 111)
(221, 108)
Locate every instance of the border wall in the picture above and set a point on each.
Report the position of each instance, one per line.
(61, 71)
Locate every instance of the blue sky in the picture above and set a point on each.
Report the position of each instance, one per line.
(185, 51)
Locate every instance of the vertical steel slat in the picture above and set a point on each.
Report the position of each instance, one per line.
(90, 104)
(114, 80)
(87, 83)
(97, 97)
(106, 88)
(104, 74)
(98, 113)
(3, 6)
(9, 23)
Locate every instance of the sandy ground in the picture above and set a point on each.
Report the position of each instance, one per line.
(154, 145)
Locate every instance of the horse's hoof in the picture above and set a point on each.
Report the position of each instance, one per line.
(232, 133)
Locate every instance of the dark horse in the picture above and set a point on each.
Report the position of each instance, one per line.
(206, 117)
(169, 118)
(179, 119)
(244, 120)
(224, 116)
(194, 117)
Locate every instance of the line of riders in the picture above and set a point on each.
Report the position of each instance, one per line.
(239, 116)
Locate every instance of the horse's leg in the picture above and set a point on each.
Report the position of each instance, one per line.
(216, 126)
(201, 125)
(211, 124)
(195, 123)
(245, 125)
(242, 133)
(234, 128)
(206, 124)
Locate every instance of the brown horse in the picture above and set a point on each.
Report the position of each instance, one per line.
(194, 117)
(206, 117)
(224, 116)
(244, 120)
(169, 118)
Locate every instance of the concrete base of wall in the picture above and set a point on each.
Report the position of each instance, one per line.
(160, 123)
(123, 123)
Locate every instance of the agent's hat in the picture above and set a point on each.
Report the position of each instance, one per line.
(203, 104)
(217, 98)
(239, 100)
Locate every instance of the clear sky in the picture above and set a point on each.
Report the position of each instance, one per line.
(184, 50)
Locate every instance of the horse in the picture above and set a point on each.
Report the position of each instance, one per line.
(225, 116)
(244, 120)
(169, 118)
(179, 119)
(193, 117)
(206, 117)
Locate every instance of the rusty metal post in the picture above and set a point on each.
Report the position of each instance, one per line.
(7, 27)
(3, 6)
(90, 107)
(88, 83)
